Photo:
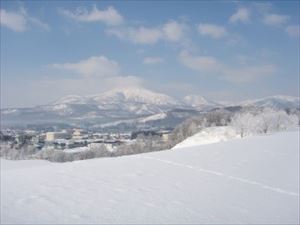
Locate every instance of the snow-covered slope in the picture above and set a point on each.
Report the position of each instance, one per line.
(209, 135)
(242, 181)
(277, 102)
(154, 117)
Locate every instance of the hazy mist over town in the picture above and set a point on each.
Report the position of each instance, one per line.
(138, 112)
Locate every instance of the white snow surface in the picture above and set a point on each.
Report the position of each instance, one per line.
(209, 135)
(134, 95)
(199, 102)
(158, 116)
(243, 181)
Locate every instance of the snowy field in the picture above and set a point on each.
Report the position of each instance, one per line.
(252, 181)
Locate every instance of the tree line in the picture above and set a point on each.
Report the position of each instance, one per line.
(246, 121)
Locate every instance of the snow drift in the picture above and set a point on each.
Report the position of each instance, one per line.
(209, 135)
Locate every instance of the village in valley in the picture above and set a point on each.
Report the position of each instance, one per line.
(73, 140)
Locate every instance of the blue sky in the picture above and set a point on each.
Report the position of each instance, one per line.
(223, 50)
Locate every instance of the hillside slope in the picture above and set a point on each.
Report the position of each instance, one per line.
(253, 180)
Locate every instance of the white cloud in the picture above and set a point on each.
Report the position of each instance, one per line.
(20, 21)
(98, 74)
(98, 66)
(293, 30)
(199, 63)
(13, 20)
(171, 31)
(242, 15)
(153, 60)
(275, 19)
(39, 23)
(236, 74)
(109, 16)
(123, 81)
(119, 33)
(140, 35)
(143, 35)
(212, 30)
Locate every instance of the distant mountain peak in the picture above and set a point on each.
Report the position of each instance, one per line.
(276, 101)
(136, 94)
(199, 102)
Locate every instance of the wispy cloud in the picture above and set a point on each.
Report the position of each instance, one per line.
(143, 35)
(293, 30)
(99, 66)
(242, 15)
(248, 73)
(236, 74)
(153, 60)
(199, 63)
(275, 19)
(109, 16)
(20, 21)
(171, 31)
(212, 30)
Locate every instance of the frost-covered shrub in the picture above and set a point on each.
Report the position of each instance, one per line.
(263, 121)
(55, 155)
(11, 152)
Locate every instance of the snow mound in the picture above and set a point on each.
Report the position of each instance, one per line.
(208, 136)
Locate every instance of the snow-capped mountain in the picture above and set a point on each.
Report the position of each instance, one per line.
(199, 102)
(136, 101)
(128, 107)
(137, 95)
(122, 106)
(277, 102)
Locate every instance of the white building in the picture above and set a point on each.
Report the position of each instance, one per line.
(51, 136)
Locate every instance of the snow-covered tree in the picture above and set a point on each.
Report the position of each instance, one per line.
(264, 121)
(244, 123)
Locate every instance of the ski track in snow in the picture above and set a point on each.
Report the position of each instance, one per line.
(216, 173)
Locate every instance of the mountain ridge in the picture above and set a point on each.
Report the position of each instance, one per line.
(136, 105)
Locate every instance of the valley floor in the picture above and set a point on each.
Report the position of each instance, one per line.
(252, 180)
